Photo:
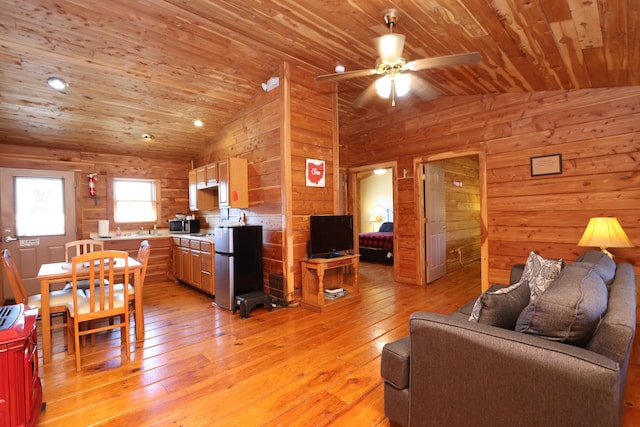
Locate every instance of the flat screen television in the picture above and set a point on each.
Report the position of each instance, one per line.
(330, 235)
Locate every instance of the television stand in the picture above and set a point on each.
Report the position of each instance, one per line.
(319, 274)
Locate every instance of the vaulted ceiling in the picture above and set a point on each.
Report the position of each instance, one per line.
(152, 66)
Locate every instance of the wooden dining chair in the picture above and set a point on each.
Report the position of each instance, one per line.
(143, 258)
(57, 299)
(79, 247)
(99, 303)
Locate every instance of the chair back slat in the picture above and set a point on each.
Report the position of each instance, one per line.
(98, 266)
(13, 276)
(80, 247)
(143, 258)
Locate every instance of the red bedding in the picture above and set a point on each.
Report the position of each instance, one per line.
(377, 240)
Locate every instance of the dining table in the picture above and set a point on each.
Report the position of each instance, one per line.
(60, 272)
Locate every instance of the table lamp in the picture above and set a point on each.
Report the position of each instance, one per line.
(605, 232)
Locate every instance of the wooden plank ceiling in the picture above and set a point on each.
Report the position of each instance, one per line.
(138, 66)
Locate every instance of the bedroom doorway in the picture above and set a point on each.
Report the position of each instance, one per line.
(373, 200)
(463, 184)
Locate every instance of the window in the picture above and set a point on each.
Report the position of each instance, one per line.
(39, 206)
(134, 200)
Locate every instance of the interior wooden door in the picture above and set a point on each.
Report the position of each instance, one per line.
(435, 224)
(37, 217)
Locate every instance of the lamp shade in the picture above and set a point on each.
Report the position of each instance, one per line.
(389, 47)
(605, 232)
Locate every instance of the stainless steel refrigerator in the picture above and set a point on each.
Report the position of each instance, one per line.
(238, 263)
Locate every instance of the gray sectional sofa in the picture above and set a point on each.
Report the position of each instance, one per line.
(561, 364)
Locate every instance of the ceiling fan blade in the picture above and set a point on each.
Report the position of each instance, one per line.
(444, 61)
(345, 75)
(366, 96)
(423, 89)
(389, 47)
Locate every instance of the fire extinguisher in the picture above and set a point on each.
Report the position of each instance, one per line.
(92, 184)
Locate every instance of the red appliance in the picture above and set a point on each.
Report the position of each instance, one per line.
(20, 386)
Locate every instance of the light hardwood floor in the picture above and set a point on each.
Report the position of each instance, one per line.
(203, 366)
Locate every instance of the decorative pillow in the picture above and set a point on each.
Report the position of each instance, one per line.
(570, 310)
(540, 272)
(501, 308)
(602, 263)
(386, 227)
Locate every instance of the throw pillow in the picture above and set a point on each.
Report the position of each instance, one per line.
(570, 310)
(602, 263)
(501, 308)
(540, 272)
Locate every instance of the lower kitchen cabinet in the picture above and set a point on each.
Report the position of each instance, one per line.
(193, 262)
(160, 248)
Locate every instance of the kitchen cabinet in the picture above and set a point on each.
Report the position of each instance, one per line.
(199, 199)
(212, 174)
(160, 248)
(206, 273)
(185, 261)
(193, 262)
(233, 183)
(193, 191)
(201, 177)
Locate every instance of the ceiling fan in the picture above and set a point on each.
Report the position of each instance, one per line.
(394, 69)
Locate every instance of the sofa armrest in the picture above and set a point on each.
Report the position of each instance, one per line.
(394, 363)
(516, 273)
(465, 373)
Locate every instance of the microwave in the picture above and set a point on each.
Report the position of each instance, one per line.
(184, 226)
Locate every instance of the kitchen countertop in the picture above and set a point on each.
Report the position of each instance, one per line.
(161, 233)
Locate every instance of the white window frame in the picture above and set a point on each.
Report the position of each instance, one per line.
(148, 201)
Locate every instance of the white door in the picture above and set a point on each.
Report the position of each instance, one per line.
(37, 217)
(435, 226)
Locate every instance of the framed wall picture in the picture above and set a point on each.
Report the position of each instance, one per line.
(315, 172)
(546, 165)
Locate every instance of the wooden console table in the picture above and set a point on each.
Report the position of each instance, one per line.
(319, 274)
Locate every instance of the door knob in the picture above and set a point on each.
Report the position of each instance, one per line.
(8, 239)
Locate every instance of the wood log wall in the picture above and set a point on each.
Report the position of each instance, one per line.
(597, 132)
(276, 132)
(462, 206)
(170, 175)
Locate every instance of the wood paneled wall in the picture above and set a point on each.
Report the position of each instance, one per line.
(255, 134)
(597, 131)
(276, 132)
(170, 174)
(462, 196)
(314, 135)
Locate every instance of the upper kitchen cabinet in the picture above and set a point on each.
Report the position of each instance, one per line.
(211, 172)
(201, 177)
(233, 183)
(199, 199)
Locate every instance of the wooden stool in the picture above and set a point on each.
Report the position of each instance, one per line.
(247, 302)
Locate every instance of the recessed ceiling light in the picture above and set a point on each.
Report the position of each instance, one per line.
(198, 123)
(339, 68)
(148, 137)
(57, 83)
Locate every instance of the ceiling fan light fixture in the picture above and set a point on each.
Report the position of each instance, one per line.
(390, 47)
(383, 86)
(402, 83)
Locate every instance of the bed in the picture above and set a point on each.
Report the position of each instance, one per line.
(377, 246)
